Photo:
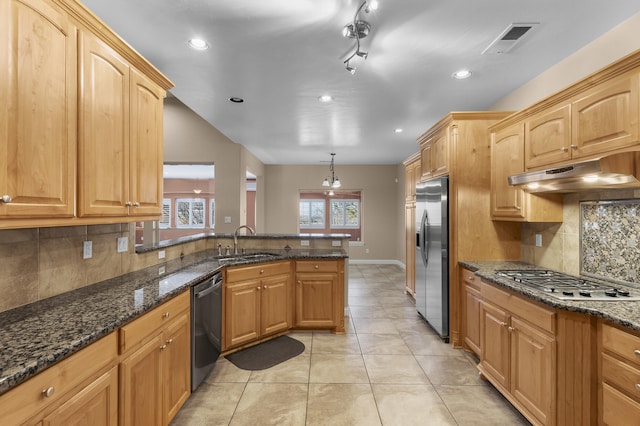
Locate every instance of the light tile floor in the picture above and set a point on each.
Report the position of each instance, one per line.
(390, 368)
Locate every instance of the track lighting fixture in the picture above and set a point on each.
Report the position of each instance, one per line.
(332, 181)
(358, 29)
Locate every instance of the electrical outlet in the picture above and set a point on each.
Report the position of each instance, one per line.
(87, 251)
(161, 270)
(123, 244)
(366, 251)
(162, 254)
(538, 240)
(304, 243)
(227, 219)
(336, 243)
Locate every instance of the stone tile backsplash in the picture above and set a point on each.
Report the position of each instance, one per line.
(610, 239)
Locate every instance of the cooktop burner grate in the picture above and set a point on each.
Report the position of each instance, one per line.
(568, 287)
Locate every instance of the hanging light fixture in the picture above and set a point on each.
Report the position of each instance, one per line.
(358, 29)
(332, 181)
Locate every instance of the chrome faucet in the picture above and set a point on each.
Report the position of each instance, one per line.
(235, 236)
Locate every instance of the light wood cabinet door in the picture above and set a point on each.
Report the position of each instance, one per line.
(494, 343)
(507, 158)
(38, 91)
(471, 325)
(315, 299)
(176, 366)
(440, 155)
(607, 118)
(146, 145)
(426, 165)
(548, 138)
(96, 404)
(104, 130)
(533, 379)
(275, 307)
(242, 312)
(141, 385)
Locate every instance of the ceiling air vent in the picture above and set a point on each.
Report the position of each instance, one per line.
(508, 38)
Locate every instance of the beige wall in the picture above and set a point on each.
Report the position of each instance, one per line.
(379, 202)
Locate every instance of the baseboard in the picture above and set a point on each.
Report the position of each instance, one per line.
(376, 262)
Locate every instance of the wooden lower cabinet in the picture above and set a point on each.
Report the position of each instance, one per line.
(155, 374)
(257, 302)
(619, 376)
(518, 352)
(471, 300)
(81, 389)
(320, 294)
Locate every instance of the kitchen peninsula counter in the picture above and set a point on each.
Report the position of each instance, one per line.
(620, 312)
(36, 336)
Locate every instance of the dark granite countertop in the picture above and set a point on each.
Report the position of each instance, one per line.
(625, 314)
(36, 336)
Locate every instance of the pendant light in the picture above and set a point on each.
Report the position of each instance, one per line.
(332, 181)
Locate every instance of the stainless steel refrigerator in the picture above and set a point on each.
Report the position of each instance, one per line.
(432, 253)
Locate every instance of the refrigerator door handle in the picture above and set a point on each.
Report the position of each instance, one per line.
(424, 237)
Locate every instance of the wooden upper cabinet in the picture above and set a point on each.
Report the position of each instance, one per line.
(38, 90)
(548, 138)
(440, 155)
(507, 158)
(606, 118)
(426, 167)
(412, 175)
(146, 145)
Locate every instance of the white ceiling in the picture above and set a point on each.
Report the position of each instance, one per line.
(281, 55)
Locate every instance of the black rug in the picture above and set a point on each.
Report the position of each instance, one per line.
(267, 354)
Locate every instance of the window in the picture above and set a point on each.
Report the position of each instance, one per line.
(165, 220)
(312, 213)
(212, 204)
(345, 213)
(190, 212)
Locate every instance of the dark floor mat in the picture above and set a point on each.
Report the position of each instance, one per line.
(267, 354)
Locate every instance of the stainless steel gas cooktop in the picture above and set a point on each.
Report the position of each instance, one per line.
(568, 287)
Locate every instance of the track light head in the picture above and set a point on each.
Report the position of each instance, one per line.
(362, 54)
(351, 69)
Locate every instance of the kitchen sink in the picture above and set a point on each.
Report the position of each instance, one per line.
(247, 257)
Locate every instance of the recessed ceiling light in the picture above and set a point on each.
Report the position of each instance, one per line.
(198, 44)
(325, 98)
(398, 130)
(236, 100)
(462, 74)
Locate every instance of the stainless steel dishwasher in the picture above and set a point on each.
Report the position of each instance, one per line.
(206, 327)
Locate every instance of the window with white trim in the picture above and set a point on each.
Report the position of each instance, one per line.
(312, 213)
(345, 213)
(165, 220)
(190, 212)
(212, 205)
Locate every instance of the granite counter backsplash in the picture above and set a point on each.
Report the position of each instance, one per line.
(626, 314)
(36, 336)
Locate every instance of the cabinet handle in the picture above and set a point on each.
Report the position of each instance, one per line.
(48, 391)
(470, 277)
(564, 149)
(6, 199)
(128, 204)
(163, 347)
(262, 271)
(503, 324)
(170, 341)
(265, 287)
(637, 352)
(511, 329)
(574, 146)
(136, 204)
(258, 288)
(315, 266)
(166, 315)
(638, 386)
(299, 282)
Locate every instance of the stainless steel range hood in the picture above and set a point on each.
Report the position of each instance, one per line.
(609, 172)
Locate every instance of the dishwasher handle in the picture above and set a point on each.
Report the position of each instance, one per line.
(215, 282)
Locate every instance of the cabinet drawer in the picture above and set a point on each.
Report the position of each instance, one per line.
(28, 399)
(470, 278)
(145, 326)
(519, 306)
(621, 343)
(617, 408)
(316, 266)
(243, 273)
(622, 375)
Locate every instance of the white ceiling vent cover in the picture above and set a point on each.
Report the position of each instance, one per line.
(509, 38)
